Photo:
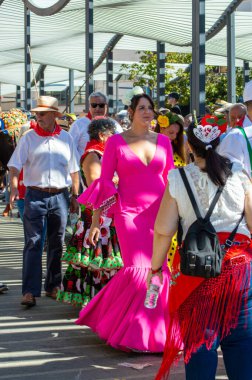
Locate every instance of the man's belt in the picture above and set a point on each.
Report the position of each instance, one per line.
(51, 190)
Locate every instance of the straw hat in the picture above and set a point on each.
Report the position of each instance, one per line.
(224, 108)
(220, 102)
(72, 116)
(47, 103)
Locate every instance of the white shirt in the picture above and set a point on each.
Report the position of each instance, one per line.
(234, 145)
(79, 133)
(47, 161)
(229, 207)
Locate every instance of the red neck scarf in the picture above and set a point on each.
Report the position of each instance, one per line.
(239, 122)
(198, 305)
(93, 146)
(42, 132)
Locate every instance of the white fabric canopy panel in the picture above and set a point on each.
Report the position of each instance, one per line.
(59, 40)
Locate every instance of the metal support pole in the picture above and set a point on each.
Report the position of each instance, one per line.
(27, 44)
(246, 71)
(109, 75)
(117, 90)
(160, 74)
(71, 90)
(89, 50)
(42, 84)
(18, 96)
(231, 79)
(198, 94)
(67, 98)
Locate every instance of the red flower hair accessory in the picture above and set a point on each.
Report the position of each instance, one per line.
(215, 120)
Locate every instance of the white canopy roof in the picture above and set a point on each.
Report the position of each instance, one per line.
(59, 40)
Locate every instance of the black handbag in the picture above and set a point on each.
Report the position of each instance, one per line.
(201, 253)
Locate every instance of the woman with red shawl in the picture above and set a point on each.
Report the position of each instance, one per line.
(207, 313)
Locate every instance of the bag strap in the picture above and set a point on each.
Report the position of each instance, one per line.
(229, 242)
(248, 145)
(192, 198)
(214, 201)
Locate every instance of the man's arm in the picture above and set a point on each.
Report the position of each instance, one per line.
(75, 182)
(74, 206)
(14, 174)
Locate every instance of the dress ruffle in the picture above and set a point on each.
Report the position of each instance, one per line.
(117, 314)
(101, 193)
(90, 268)
(80, 285)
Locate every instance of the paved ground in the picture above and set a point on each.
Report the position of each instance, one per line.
(43, 342)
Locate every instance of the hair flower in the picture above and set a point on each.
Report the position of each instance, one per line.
(129, 95)
(215, 120)
(163, 121)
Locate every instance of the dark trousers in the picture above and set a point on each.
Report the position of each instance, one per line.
(40, 208)
(236, 349)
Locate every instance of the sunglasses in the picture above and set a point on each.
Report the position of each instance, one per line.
(100, 105)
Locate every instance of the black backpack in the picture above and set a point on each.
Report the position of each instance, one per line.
(201, 254)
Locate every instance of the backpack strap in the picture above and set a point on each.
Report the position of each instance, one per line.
(214, 201)
(229, 241)
(192, 198)
(190, 193)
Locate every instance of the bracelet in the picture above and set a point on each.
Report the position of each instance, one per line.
(154, 271)
(74, 196)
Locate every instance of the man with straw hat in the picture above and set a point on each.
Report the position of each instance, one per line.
(49, 159)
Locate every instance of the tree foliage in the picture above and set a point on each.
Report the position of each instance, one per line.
(144, 73)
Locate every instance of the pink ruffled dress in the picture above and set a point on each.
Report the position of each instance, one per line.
(117, 313)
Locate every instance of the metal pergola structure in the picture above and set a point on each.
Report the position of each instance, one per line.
(199, 27)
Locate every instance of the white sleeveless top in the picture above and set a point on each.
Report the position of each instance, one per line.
(229, 207)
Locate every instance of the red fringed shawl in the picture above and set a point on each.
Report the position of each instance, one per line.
(198, 305)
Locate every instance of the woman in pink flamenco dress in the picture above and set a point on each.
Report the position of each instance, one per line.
(141, 158)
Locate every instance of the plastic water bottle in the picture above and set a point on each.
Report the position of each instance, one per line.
(152, 293)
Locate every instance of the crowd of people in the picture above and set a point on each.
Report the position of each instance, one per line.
(123, 181)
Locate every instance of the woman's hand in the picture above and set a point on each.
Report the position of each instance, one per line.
(150, 275)
(94, 234)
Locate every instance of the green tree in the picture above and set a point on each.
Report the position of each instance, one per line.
(144, 73)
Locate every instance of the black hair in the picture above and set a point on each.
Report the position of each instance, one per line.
(178, 145)
(217, 167)
(135, 100)
(101, 125)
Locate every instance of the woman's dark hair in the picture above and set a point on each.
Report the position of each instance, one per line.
(135, 100)
(101, 125)
(178, 145)
(217, 167)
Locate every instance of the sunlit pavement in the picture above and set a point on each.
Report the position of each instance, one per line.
(43, 342)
